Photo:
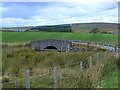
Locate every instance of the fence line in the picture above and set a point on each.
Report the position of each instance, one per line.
(92, 60)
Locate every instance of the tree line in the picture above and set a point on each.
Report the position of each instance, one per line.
(57, 28)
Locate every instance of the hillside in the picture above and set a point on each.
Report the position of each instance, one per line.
(78, 27)
(14, 28)
(75, 27)
(86, 27)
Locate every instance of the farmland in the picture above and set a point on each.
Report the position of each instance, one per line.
(21, 37)
(39, 63)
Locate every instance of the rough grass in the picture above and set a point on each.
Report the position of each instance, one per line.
(28, 59)
(111, 80)
(17, 59)
(21, 37)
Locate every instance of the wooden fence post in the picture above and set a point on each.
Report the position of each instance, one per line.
(55, 77)
(90, 62)
(116, 55)
(27, 80)
(105, 56)
(98, 60)
(81, 66)
(101, 57)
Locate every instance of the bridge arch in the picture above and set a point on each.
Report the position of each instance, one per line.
(51, 48)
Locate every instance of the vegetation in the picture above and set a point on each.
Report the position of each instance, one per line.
(21, 37)
(95, 30)
(110, 80)
(87, 27)
(17, 59)
(21, 56)
(55, 28)
(75, 27)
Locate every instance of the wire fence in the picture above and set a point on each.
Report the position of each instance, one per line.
(67, 75)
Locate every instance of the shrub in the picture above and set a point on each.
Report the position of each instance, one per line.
(109, 66)
(5, 79)
(95, 30)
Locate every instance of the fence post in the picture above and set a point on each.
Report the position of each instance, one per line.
(55, 77)
(27, 80)
(90, 62)
(105, 56)
(116, 55)
(101, 57)
(81, 66)
(98, 58)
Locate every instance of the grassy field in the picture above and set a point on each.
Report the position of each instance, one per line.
(21, 37)
(17, 59)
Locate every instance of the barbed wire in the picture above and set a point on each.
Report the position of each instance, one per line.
(85, 62)
(35, 76)
(19, 79)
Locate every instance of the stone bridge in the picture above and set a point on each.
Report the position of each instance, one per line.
(64, 45)
(59, 45)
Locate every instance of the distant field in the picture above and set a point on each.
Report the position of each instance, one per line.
(21, 37)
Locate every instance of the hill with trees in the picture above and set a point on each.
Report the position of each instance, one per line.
(78, 27)
(75, 27)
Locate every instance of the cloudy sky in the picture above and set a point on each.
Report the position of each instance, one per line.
(51, 13)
